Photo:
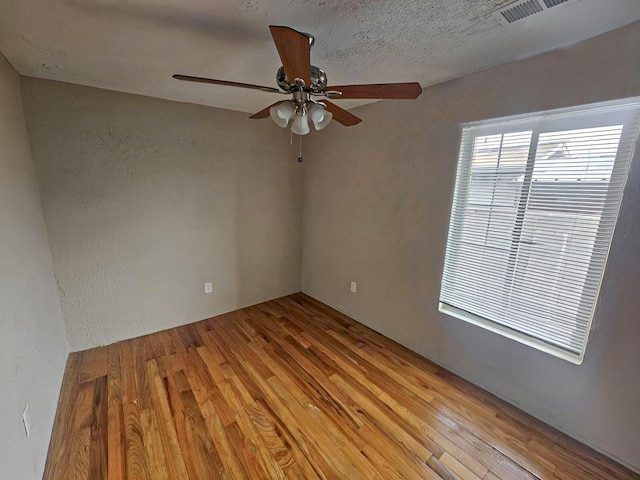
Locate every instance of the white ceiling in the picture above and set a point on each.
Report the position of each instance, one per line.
(136, 45)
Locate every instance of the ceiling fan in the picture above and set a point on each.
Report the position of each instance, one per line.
(303, 81)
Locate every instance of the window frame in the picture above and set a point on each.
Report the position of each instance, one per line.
(624, 112)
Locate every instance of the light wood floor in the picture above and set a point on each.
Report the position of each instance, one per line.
(292, 389)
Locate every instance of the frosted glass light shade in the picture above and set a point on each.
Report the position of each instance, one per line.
(319, 116)
(282, 113)
(300, 125)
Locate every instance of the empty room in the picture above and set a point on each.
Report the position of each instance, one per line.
(257, 239)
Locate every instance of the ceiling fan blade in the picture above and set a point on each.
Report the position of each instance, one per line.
(381, 90)
(294, 49)
(340, 115)
(265, 113)
(213, 81)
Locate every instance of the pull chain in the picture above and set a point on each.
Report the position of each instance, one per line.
(300, 159)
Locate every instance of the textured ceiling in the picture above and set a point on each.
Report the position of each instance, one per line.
(136, 45)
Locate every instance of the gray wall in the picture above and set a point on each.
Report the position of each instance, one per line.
(33, 346)
(376, 210)
(145, 200)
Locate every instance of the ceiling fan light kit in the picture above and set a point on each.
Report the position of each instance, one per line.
(319, 116)
(281, 113)
(298, 78)
(300, 125)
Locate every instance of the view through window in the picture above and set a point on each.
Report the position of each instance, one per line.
(535, 206)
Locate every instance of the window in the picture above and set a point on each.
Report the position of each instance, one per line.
(534, 209)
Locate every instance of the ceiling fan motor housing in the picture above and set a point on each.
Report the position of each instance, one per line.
(318, 80)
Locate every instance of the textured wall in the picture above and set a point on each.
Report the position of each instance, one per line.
(33, 346)
(376, 210)
(146, 200)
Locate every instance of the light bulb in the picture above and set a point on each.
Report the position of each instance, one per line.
(282, 113)
(300, 125)
(319, 116)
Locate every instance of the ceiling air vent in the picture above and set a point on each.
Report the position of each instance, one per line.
(525, 8)
(553, 3)
(520, 10)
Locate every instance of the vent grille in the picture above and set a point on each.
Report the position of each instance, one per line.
(521, 10)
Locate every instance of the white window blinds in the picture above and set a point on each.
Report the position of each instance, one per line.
(534, 210)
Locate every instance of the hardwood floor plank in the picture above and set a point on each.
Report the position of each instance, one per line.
(511, 447)
(99, 441)
(386, 468)
(140, 350)
(332, 453)
(257, 443)
(115, 434)
(395, 430)
(441, 469)
(363, 375)
(200, 448)
(281, 450)
(135, 453)
(168, 435)
(79, 458)
(293, 389)
(458, 468)
(93, 364)
(319, 456)
(128, 373)
(233, 467)
(156, 461)
(213, 367)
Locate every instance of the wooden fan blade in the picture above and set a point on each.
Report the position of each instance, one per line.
(340, 115)
(265, 113)
(381, 90)
(213, 81)
(295, 52)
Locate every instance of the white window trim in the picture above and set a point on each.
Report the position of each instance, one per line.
(517, 123)
(511, 333)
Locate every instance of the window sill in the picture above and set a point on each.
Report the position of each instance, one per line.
(510, 333)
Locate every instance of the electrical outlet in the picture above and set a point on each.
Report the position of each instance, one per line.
(26, 419)
(354, 287)
(208, 287)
